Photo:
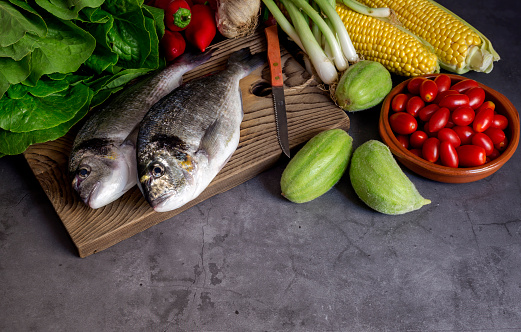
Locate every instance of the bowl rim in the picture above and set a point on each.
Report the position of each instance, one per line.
(416, 163)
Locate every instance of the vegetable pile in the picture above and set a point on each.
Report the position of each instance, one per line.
(58, 61)
(448, 123)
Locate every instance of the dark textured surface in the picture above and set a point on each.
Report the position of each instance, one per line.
(249, 260)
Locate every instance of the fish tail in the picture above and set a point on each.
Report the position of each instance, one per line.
(246, 61)
(193, 58)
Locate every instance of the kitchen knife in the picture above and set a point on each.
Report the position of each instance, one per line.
(277, 87)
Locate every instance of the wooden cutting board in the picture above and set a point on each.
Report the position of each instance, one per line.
(309, 110)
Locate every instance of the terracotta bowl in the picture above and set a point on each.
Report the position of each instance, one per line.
(443, 173)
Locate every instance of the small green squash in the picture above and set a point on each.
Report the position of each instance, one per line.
(362, 86)
(317, 166)
(379, 181)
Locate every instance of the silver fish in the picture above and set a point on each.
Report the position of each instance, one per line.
(187, 137)
(103, 158)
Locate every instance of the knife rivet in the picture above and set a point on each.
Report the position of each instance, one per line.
(275, 63)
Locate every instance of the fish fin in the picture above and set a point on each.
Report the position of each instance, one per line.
(210, 143)
(193, 57)
(246, 60)
(131, 139)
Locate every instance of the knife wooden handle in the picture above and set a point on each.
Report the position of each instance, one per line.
(274, 60)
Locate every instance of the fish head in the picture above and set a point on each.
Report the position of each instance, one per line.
(101, 179)
(167, 180)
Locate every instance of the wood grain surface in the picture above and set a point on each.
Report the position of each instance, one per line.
(309, 110)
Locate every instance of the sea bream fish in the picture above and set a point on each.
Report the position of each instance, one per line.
(187, 137)
(103, 158)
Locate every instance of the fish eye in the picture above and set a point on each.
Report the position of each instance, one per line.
(157, 170)
(84, 172)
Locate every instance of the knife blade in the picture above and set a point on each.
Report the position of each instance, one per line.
(277, 88)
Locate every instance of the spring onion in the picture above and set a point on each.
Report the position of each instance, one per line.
(283, 22)
(336, 50)
(324, 67)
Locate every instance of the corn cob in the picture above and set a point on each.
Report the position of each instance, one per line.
(458, 45)
(400, 52)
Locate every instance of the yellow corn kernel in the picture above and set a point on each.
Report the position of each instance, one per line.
(401, 53)
(442, 29)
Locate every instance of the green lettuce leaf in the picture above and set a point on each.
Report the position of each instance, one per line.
(33, 113)
(16, 143)
(67, 9)
(18, 19)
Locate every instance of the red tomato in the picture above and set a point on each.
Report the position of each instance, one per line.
(404, 140)
(414, 104)
(450, 123)
(476, 97)
(428, 90)
(431, 149)
(502, 145)
(425, 113)
(496, 135)
(417, 138)
(454, 101)
(463, 116)
(465, 134)
(449, 135)
(493, 155)
(428, 132)
(443, 82)
(499, 121)
(480, 139)
(464, 85)
(414, 85)
(483, 120)
(403, 123)
(485, 105)
(399, 102)
(448, 154)
(439, 119)
(442, 94)
(417, 152)
(471, 155)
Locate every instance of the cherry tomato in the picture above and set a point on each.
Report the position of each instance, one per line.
(483, 120)
(431, 149)
(464, 85)
(499, 121)
(476, 97)
(496, 135)
(414, 104)
(442, 94)
(480, 139)
(450, 123)
(443, 82)
(449, 135)
(428, 90)
(463, 116)
(414, 85)
(502, 145)
(439, 119)
(417, 152)
(425, 113)
(485, 105)
(448, 154)
(428, 132)
(471, 155)
(399, 102)
(465, 134)
(404, 140)
(417, 138)
(493, 155)
(454, 101)
(403, 123)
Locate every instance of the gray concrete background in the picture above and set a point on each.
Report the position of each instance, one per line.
(248, 260)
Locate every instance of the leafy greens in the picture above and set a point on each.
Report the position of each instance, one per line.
(59, 59)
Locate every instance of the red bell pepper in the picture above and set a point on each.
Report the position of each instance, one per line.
(173, 44)
(177, 14)
(202, 28)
